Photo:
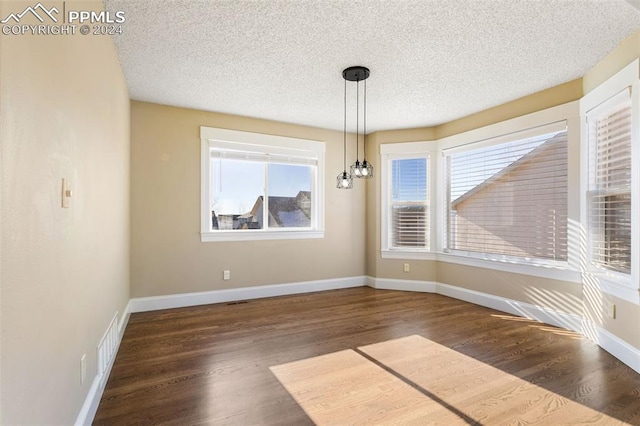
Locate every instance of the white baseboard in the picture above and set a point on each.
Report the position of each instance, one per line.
(565, 320)
(90, 406)
(626, 353)
(154, 303)
(124, 320)
(402, 285)
(92, 401)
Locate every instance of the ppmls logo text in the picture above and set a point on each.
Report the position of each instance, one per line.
(58, 20)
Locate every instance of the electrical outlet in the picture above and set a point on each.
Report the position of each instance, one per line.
(83, 368)
(612, 311)
(226, 275)
(406, 267)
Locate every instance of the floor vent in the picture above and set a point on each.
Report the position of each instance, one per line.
(106, 348)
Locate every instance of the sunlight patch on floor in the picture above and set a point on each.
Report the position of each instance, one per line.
(413, 380)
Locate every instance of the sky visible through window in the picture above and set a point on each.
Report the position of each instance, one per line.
(237, 184)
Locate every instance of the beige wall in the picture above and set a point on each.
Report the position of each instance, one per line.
(544, 99)
(64, 112)
(624, 54)
(167, 256)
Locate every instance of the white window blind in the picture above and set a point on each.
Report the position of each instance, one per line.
(509, 199)
(609, 193)
(409, 206)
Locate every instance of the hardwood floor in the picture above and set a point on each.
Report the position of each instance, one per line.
(211, 364)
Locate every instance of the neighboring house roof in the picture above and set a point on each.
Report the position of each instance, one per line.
(288, 212)
(291, 219)
(291, 211)
(539, 151)
(257, 207)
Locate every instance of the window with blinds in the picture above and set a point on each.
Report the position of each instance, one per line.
(609, 191)
(507, 198)
(409, 204)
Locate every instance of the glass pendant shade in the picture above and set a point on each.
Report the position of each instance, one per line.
(344, 181)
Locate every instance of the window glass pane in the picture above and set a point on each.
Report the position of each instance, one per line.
(237, 194)
(409, 203)
(409, 226)
(409, 179)
(609, 193)
(289, 199)
(510, 199)
(611, 231)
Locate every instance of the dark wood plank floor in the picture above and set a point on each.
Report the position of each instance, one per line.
(210, 364)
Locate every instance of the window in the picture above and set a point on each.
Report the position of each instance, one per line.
(506, 198)
(409, 203)
(609, 192)
(405, 195)
(610, 183)
(260, 187)
(240, 198)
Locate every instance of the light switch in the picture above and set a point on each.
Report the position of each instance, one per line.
(66, 194)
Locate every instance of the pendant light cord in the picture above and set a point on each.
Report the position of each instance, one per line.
(344, 156)
(357, 117)
(364, 130)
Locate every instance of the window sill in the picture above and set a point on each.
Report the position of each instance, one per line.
(257, 235)
(408, 254)
(615, 284)
(543, 271)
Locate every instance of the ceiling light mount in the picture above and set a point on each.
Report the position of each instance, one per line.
(357, 73)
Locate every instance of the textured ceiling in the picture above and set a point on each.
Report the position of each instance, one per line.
(430, 61)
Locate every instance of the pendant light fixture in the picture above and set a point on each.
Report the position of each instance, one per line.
(358, 170)
(344, 180)
(366, 169)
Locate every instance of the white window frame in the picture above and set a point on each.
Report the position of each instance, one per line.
(398, 151)
(503, 132)
(624, 286)
(216, 138)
